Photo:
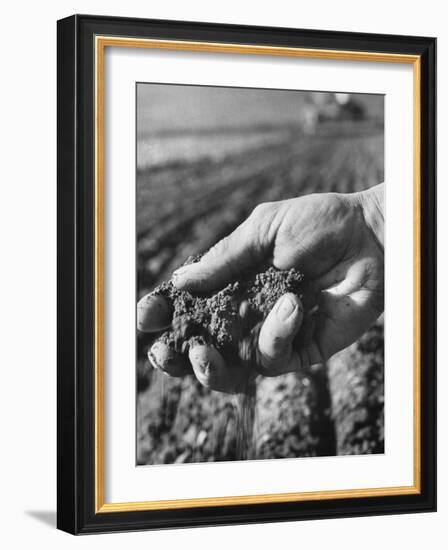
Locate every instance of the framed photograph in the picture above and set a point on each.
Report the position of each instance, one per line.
(246, 274)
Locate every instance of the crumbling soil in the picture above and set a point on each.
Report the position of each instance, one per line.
(231, 318)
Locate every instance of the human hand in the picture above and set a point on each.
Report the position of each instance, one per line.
(336, 240)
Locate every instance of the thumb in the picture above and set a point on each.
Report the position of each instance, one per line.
(224, 262)
(277, 335)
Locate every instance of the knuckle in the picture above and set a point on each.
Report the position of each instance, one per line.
(261, 210)
(263, 222)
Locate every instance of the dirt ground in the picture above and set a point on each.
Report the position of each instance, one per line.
(184, 207)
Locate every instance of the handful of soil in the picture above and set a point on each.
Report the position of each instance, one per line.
(231, 319)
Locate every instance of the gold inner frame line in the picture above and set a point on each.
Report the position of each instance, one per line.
(101, 42)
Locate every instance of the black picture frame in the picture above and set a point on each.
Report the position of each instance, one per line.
(76, 255)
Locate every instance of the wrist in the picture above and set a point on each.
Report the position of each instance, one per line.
(371, 202)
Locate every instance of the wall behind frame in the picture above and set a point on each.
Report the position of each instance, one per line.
(28, 274)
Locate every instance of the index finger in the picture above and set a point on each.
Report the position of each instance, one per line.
(225, 261)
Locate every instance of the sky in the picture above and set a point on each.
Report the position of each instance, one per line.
(168, 107)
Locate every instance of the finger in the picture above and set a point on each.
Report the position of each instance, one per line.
(349, 277)
(163, 358)
(277, 335)
(223, 263)
(346, 318)
(153, 313)
(333, 277)
(211, 370)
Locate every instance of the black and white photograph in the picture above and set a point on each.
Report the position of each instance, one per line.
(220, 263)
(260, 274)
(246, 275)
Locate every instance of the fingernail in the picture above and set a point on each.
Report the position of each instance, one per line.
(285, 308)
(153, 313)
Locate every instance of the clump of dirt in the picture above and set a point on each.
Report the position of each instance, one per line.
(231, 318)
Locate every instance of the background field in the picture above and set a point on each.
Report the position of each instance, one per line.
(205, 158)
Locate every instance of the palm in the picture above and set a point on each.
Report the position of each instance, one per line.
(330, 241)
